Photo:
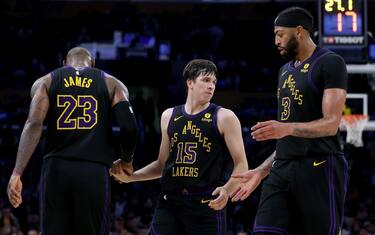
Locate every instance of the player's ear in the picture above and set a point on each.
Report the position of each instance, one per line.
(299, 31)
(189, 82)
(92, 62)
(64, 62)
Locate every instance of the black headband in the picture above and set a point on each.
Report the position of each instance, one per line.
(294, 19)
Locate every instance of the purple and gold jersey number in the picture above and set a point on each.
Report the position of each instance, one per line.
(87, 120)
(186, 152)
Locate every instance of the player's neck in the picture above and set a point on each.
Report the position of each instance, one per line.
(79, 64)
(193, 106)
(305, 51)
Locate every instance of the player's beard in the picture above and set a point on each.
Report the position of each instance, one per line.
(291, 49)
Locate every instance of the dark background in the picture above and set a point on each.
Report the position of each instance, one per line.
(238, 37)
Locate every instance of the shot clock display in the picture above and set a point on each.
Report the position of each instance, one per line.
(343, 23)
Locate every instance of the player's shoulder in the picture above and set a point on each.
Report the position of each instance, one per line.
(44, 81)
(109, 76)
(165, 117)
(285, 66)
(226, 120)
(329, 56)
(167, 113)
(225, 114)
(330, 61)
(59, 69)
(113, 82)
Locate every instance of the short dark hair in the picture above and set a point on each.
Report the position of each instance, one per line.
(198, 67)
(294, 16)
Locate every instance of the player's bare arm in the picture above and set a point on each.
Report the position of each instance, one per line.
(251, 179)
(117, 90)
(34, 124)
(30, 136)
(154, 169)
(230, 127)
(332, 106)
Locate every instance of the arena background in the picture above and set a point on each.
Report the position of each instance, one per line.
(146, 44)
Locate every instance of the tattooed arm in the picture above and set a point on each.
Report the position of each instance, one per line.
(332, 106)
(34, 124)
(251, 179)
(30, 136)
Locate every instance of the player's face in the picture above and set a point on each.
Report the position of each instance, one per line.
(203, 87)
(286, 42)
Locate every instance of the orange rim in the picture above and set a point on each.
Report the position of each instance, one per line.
(353, 119)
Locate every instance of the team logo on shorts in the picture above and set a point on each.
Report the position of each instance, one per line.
(203, 201)
(315, 163)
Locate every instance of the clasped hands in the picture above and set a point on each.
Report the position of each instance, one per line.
(121, 170)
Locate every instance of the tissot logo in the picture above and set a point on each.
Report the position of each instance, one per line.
(349, 40)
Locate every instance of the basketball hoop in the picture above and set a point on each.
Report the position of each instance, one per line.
(354, 124)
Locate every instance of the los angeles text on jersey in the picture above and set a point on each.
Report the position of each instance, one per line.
(77, 81)
(190, 129)
(290, 84)
(187, 152)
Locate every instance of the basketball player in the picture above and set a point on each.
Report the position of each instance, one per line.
(75, 173)
(192, 162)
(306, 185)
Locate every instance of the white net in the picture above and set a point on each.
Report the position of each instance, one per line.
(354, 126)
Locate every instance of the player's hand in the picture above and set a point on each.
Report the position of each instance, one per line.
(14, 190)
(249, 182)
(121, 170)
(270, 130)
(221, 201)
(127, 167)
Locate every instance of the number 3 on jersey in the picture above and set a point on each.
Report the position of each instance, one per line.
(285, 102)
(87, 120)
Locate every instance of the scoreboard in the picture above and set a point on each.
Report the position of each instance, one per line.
(343, 23)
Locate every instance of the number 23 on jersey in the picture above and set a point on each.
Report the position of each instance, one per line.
(86, 120)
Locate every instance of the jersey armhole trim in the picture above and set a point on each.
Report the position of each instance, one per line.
(309, 76)
(170, 120)
(215, 121)
(53, 78)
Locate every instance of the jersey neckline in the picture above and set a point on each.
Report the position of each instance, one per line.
(194, 115)
(78, 68)
(291, 67)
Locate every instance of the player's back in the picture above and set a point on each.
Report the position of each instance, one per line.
(79, 125)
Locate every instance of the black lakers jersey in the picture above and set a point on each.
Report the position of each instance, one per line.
(79, 125)
(198, 154)
(300, 94)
